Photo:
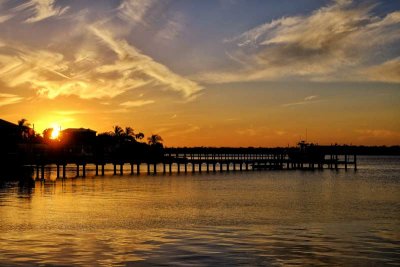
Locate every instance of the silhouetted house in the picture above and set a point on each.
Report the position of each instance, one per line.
(78, 140)
(9, 136)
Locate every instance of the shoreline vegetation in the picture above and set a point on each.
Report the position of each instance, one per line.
(21, 145)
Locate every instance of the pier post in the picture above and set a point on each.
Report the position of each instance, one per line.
(185, 167)
(193, 167)
(164, 168)
(121, 169)
(179, 167)
(170, 168)
(64, 171)
(58, 170)
(200, 167)
(208, 167)
(345, 162)
(220, 167)
(97, 169)
(148, 168)
(102, 169)
(336, 162)
(131, 168)
(115, 168)
(83, 170)
(241, 166)
(155, 168)
(42, 175)
(214, 167)
(77, 170)
(138, 168)
(37, 171)
(355, 162)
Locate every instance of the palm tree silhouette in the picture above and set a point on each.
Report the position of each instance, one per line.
(154, 139)
(129, 134)
(118, 131)
(24, 128)
(139, 136)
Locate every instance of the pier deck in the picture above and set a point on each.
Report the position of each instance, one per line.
(203, 160)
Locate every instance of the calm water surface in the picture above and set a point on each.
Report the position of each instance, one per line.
(268, 218)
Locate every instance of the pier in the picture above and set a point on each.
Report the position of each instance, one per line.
(198, 160)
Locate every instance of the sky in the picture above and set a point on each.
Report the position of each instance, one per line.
(206, 73)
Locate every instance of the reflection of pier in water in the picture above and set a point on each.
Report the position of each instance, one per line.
(184, 160)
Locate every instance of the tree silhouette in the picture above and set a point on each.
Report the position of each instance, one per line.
(129, 134)
(47, 134)
(24, 128)
(118, 131)
(154, 139)
(139, 136)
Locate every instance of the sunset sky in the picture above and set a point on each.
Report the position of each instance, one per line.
(206, 73)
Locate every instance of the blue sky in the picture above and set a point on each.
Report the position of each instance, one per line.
(197, 71)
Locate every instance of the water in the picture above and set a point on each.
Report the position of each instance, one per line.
(267, 218)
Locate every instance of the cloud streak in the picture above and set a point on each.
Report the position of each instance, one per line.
(132, 62)
(39, 10)
(137, 103)
(9, 99)
(92, 72)
(307, 100)
(334, 42)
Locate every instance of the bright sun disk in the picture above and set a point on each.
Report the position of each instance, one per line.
(56, 132)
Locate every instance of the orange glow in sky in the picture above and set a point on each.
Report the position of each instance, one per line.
(250, 73)
(56, 132)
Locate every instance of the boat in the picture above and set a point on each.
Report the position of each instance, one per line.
(307, 152)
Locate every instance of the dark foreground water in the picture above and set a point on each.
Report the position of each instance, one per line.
(263, 218)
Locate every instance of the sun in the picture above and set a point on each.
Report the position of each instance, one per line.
(56, 132)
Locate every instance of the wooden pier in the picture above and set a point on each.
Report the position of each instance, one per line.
(185, 160)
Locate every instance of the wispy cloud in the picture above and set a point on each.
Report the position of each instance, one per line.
(378, 136)
(332, 43)
(132, 62)
(388, 71)
(135, 11)
(91, 73)
(172, 29)
(70, 112)
(4, 18)
(39, 10)
(137, 103)
(307, 100)
(8, 99)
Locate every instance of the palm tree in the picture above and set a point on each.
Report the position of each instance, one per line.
(118, 131)
(130, 134)
(24, 128)
(154, 139)
(139, 136)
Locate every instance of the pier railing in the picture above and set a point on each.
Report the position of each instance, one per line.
(184, 160)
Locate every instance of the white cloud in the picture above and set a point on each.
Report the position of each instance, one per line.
(134, 11)
(40, 10)
(132, 62)
(8, 99)
(388, 71)
(332, 43)
(137, 103)
(311, 97)
(307, 100)
(93, 72)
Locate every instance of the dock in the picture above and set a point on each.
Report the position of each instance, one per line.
(198, 160)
